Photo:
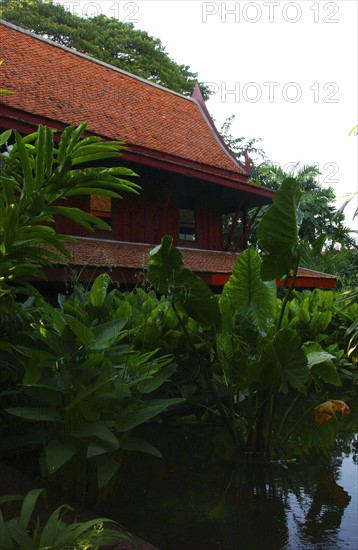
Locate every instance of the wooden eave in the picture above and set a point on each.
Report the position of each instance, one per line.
(26, 122)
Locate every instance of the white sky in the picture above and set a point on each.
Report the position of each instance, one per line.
(288, 71)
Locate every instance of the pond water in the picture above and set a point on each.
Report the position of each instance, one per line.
(201, 497)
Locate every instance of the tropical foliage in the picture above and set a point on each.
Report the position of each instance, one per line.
(318, 215)
(70, 384)
(38, 176)
(250, 353)
(79, 379)
(24, 532)
(327, 244)
(239, 145)
(83, 391)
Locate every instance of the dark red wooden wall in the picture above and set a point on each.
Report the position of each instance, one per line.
(146, 217)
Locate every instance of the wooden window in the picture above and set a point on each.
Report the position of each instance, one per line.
(186, 224)
(100, 206)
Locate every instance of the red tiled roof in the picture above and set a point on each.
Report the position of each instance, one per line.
(113, 254)
(62, 85)
(91, 252)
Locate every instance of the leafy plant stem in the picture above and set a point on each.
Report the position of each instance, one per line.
(307, 411)
(268, 426)
(215, 394)
(286, 415)
(289, 292)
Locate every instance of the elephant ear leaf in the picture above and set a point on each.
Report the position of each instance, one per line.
(291, 359)
(168, 274)
(247, 294)
(278, 232)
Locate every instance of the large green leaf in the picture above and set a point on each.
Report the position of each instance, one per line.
(100, 432)
(107, 467)
(83, 333)
(106, 333)
(321, 364)
(327, 372)
(155, 380)
(291, 359)
(278, 232)
(99, 290)
(40, 414)
(25, 163)
(167, 273)
(247, 295)
(57, 454)
(90, 389)
(96, 448)
(5, 136)
(132, 417)
(136, 444)
(53, 529)
(28, 506)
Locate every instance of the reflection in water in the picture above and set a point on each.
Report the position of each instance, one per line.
(199, 498)
(328, 499)
(326, 509)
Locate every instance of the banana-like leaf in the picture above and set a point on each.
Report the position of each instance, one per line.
(99, 290)
(79, 191)
(132, 417)
(25, 163)
(136, 444)
(106, 334)
(39, 414)
(154, 381)
(40, 156)
(278, 232)
(83, 332)
(89, 390)
(246, 294)
(168, 274)
(82, 218)
(94, 157)
(98, 431)
(36, 174)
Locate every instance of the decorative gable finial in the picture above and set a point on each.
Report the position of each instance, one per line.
(197, 93)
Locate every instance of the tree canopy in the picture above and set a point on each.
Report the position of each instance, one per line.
(106, 39)
(238, 145)
(319, 216)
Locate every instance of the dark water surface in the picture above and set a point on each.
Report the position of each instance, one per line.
(200, 497)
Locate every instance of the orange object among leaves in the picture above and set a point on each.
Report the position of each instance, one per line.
(327, 410)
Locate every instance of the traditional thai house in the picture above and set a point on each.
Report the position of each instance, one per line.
(189, 177)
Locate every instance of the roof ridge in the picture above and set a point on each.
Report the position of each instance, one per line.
(197, 96)
(93, 59)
